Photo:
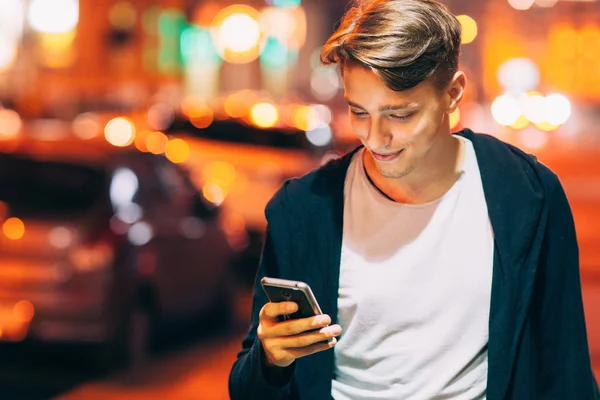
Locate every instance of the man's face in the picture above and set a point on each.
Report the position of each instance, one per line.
(397, 128)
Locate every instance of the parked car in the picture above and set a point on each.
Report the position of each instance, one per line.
(249, 164)
(103, 245)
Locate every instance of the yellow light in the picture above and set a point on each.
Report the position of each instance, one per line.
(264, 115)
(306, 118)
(23, 311)
(13, 228)
(237, 34)
(120, 132)
(57, 42)
(546, 126)
(214, 193)
(521, 123)
(454, 118)
(219, 171)
(469, 28)
(235, 107)
(177, 151)
(140, 141)
(202, 118)
(156, 142)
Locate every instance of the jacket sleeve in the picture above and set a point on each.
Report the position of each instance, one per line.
(250, 378)
(564, 363)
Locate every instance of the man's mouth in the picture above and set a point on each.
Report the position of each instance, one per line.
(386, 157)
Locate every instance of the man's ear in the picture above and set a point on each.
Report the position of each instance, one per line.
(456, 91)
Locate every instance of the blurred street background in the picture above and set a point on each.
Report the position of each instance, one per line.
(141, 140)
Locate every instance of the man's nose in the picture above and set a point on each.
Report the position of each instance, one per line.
(378, 137)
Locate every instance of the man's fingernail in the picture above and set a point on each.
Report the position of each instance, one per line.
(291, 307)
(336, 329)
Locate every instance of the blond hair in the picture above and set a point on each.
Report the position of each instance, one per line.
(404, 42)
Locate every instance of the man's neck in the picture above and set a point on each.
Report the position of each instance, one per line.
(436, 174)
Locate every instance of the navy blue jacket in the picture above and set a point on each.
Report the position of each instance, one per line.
(537, 337)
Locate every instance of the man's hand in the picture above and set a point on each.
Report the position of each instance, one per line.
(286, 341)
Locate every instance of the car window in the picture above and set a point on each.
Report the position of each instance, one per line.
(47, 188)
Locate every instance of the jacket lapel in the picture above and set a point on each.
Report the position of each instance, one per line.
(515, 201)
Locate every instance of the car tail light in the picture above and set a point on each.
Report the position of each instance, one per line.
(92, 257)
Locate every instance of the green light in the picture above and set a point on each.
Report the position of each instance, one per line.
(275, 54)
(197, 46)
(286, 3)
(171, 24)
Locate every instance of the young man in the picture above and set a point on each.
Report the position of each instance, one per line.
(446, 265)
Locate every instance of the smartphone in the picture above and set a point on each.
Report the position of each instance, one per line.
(279, 290)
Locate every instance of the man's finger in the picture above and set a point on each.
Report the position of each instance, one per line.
(295, 327)
(310, 338)
(273, 310)
(312, 349)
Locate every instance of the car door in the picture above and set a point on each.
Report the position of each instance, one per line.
(190, 269)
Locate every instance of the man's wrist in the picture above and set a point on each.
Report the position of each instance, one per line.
(275, 375)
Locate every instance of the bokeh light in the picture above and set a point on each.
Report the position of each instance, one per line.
(140, 140)
(325, 82)
(160, 116)
(13, 228)
(557, 109)
(214, 193)
(10, 123)
(177, 151)
(506, 110)
(23, 311)
(264, 115)
(519, 74)
(120, 132)
(521, 4)
(237, 33)
(8, 53)
(122, 15)
(320, 136)
(306, 118)
(53, 16)
(202, 117)
(546, 3)
(532, 106)
(86, 126)
(156, 142)
(469, 28)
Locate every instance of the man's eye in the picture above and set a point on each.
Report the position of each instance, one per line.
(401, 117)
(359, 114)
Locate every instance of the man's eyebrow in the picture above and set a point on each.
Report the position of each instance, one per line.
(388, 107)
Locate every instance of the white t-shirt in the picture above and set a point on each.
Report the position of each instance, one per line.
(414, 294)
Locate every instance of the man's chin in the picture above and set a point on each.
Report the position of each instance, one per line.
(392, 173)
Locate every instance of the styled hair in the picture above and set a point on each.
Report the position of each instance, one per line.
(404, 42)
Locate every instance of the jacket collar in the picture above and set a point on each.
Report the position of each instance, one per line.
(514, 199)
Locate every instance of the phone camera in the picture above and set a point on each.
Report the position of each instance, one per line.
(286, 295)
